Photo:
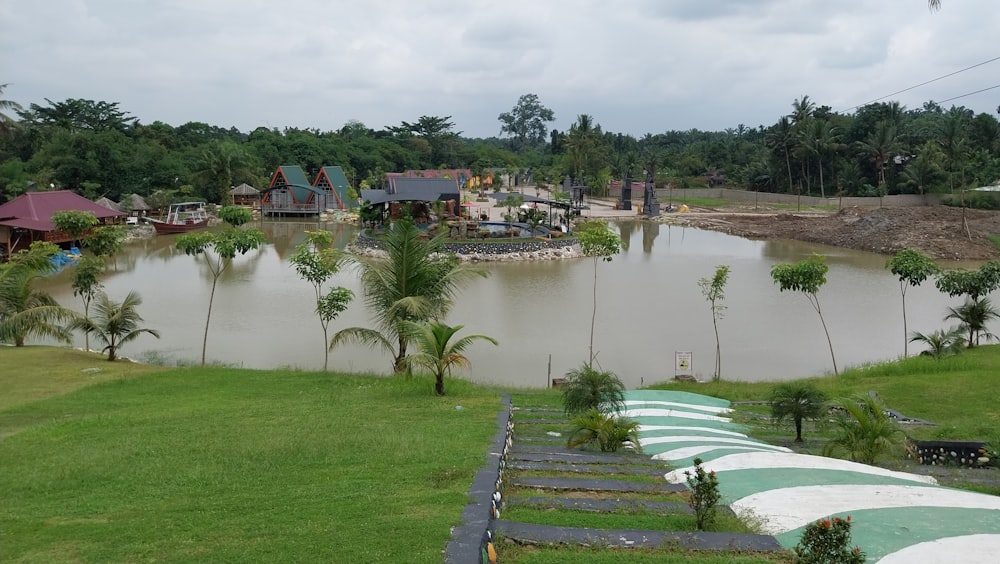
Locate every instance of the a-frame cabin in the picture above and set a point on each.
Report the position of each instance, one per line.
(291, 194)
(333, 180)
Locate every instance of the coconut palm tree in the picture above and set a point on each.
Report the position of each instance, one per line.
(974, 314)
(435, 349)
(940, 343)
(115, 324)
(218, 165)
(864, 431)
(25, 311)
(416, 281)
(6, 122)
(587, 389)
(880, 145)
(798, 402)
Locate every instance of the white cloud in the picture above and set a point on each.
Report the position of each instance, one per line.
(637, 67)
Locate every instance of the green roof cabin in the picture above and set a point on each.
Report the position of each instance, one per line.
(290, 193)
(333, 180)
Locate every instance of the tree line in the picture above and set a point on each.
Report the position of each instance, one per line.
(97, 148)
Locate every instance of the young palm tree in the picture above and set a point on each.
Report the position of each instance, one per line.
(974, 314)
(940, 343)
(865, 432)
(608, 432)
(24, 311)
(435, 349)
(115, 324)
(798, 402)
(416, 281)
(589, 389)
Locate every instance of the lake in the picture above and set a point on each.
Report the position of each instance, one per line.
(649, 307)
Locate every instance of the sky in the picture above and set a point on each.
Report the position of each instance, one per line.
(636, 66)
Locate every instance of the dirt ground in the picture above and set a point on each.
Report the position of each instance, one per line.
(938, 231)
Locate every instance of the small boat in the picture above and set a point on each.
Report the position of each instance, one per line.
(181, 218)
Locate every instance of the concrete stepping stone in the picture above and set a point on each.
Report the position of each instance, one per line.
(576, 457)
(604, 505)
(633, 538)
(593, 484)
(585, 468)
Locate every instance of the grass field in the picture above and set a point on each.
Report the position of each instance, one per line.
(225, 465)
(140, 463)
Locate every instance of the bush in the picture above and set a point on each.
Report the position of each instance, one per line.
(826, 542)
(607, 432)
(589, 389)
(704, 494)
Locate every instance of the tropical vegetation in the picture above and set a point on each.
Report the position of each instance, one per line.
(97, 148)
(590, 389)
(416, 281)
(798, 402)
(436, 350)
(114, 323)
(25, 310)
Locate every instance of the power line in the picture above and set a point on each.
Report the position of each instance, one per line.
(926, 83)
(969, 94)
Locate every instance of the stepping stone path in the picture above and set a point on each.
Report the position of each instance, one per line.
(590, 490)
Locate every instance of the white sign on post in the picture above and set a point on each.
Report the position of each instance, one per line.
(682, 363)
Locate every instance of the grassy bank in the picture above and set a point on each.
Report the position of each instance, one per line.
(957, 393)
(229, 465)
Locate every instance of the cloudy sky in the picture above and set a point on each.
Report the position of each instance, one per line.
(637, 66)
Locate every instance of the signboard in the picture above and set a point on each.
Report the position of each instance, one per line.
(683, 363)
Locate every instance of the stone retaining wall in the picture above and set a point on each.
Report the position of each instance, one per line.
(494, 250)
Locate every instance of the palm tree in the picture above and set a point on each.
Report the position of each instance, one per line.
(881, 144)
(802, 109)
(780, 137)
(865, 432)
(219, 164)
(587, 388)
(818, 138)
(435, 349)
(24, 311)
(607, 431)
(934, 4)
(974, 314)
(115, 324)
(416, 281)
(6, 122)
(940, 343)
(797, 401)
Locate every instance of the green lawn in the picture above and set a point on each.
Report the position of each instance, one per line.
(227, 465)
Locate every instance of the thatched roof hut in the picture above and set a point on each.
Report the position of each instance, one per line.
(134, 203)
(108, 203)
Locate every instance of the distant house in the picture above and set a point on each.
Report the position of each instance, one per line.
(245, 195)
(333, 180)
(134, 205)
(28, 218)
(421, 192)
(291, 194)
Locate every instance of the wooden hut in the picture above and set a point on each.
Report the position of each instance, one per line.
(245, 195)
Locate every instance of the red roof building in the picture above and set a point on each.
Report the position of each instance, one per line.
(28, 218)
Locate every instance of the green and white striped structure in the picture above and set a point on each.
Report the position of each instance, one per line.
(897, 517)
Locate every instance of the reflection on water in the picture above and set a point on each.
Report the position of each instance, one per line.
(649, 306)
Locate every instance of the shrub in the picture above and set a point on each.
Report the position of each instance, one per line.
(589, 389)
(704, 494)
(607, 432)
(826, 542)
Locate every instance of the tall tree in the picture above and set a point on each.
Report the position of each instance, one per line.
(436, 350)
(526, 122)
(115, 324)
(598, 242)
(316, 261)
(806, 276)
(217, 167)
(416, 281)
(880, 146)
(780, 137)
(714, 291)
(913, 268)
(219, 248)
(7, 123)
